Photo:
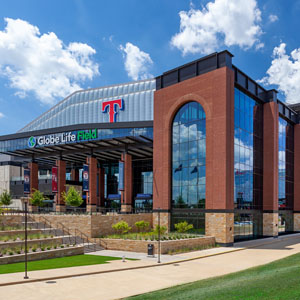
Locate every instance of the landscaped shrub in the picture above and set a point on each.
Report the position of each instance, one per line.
(160, 229)
(37, 198)
(183, 227)
(142, 225)
(72, 197)
(121, 227)
(5, 198)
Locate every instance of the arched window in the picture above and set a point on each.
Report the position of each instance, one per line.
(188, 157)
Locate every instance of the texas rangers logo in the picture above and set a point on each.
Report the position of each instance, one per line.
(111, 107)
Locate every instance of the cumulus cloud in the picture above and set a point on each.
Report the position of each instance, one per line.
(220, 22)
(137, 62)
(1, 115)
(284, 72)
(42, 63)
(273, 18)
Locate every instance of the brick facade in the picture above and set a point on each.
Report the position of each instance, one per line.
(92, 193)
(61, 185)
(126, 195)
(34, 176)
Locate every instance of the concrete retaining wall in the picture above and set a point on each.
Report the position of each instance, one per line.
(39, 242)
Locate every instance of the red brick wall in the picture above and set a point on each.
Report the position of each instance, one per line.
(61, 184)
(127, 193)
(270, 144)
(101, 187)
(34, 176)
(215, 92)
(92, 193)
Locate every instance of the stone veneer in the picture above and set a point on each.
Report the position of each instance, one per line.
(8, 220)
(43, 255)
(165, 219)
(95, 225)
(221, 226)
(165, 246)
(270, 224)
(296, 221)
(39, 242)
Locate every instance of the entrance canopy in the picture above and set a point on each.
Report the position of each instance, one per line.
(74, 143)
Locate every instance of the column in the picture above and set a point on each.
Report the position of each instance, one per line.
(296, 177)
(126, 195)
(91, 202)
(74, 174)
(61, 185)
(270, 172)
(34, 176)
(101, 184)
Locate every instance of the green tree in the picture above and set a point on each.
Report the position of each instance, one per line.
(37, 198)
(141, 225)
(182, 227)
(72, 197)
(160, 229)
(121, 227)
(5, 198)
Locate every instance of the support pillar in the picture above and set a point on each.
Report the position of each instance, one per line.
(270, 171)
(91, 202)
(34, 176)
(296, 178)
(74, 174)
(101, 184)
(61, 185)
(126, 195)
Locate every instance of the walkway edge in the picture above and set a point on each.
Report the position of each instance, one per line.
(143, 267)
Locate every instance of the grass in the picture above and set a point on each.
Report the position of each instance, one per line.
(279, 280)
(56, 263)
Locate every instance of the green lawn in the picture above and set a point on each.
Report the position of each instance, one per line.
(274, 281)
(54, 263)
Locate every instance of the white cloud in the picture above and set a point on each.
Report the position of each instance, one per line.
(1, 115)
(220, 22)
(273, 18)
(284, 72)
(137, 62)
(43, 64)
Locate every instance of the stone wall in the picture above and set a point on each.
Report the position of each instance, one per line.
(43, 255)
(270, 224)
(166, 246)
(221, 226)
(95, 225)
(8, 220)
(165, 219)
(39, 242)
(296, 221)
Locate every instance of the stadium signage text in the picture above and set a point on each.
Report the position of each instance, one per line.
(63, 138)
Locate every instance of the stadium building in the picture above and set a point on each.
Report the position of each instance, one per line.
(202, 143)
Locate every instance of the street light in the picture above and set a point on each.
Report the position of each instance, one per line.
(26, 212)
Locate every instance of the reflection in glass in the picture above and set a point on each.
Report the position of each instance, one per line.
(189, 152)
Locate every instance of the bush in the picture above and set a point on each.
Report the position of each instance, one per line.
(160, 229)
(121, 227)
(183, 227)
(72, 197)
(37, 198)
(141, 225)
(5, 198)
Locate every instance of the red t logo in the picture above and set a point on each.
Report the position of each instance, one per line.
(111, 107)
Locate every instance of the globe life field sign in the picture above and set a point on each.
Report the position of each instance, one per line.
(63, 138)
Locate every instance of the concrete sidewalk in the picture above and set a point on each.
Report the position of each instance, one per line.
(117, 284)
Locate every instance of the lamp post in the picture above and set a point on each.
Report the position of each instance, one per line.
(158, 256)
(26, 212)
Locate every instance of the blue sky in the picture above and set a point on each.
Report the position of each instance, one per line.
(50, 48)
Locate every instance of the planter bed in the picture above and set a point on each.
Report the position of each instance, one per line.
(40, 242)
(29, 231)
(166, 245)
(68, 251)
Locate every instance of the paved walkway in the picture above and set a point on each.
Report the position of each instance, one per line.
(118, 284)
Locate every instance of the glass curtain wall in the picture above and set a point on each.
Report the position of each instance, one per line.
(189, 152)
(285, 176)
(188, 166)
(248, 166)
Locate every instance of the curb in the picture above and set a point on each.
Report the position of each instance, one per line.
(145, 267)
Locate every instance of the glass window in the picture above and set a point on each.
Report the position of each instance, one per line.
(189, 152)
